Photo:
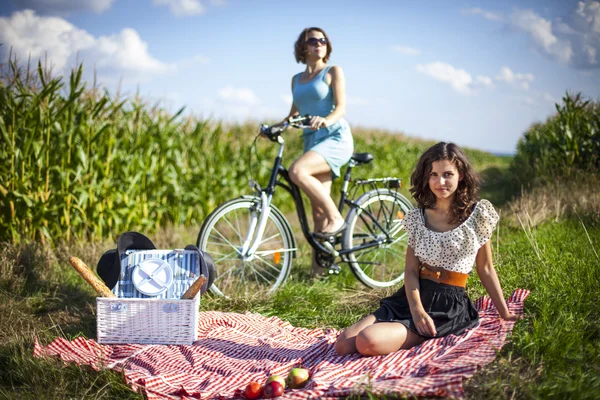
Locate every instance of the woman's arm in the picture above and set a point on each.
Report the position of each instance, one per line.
(338, 85)
(422, 320)
(489, 279)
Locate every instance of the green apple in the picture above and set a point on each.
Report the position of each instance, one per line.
(298, 377)
(276, 378)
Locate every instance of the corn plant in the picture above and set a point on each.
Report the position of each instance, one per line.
(566, 144)
(78, 162)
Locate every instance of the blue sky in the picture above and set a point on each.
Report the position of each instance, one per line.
(477, 73)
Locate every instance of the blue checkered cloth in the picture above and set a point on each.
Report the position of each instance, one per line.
(185, 265)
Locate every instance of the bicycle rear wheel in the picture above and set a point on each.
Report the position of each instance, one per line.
(222, 236)
(377, 212)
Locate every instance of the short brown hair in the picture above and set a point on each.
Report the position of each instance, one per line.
(467, 193)
(300, 45)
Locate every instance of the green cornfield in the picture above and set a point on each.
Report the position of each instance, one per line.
(80, 163)
(565, 145)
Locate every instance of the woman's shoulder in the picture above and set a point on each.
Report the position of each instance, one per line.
(485, 205)
(335, 71)
(485, 212)
(413, 216)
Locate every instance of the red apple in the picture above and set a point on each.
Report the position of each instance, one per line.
(273, 389)
(253, 391)
(276, 378)
(297, 378)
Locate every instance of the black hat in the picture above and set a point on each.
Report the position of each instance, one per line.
(109, 266)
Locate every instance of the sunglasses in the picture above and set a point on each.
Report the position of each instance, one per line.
(313, 41)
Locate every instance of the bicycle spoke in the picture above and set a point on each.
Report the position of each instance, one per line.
(225, 256)
(376, 225)
(267, 240)
(227, 241)
(232, 227)
(269, 264)
(223, 236)
(267, 252)
(397, 253)
(261, 275)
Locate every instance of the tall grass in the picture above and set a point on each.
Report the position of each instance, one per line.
(77, 162)
(554, 352)
(566, 144)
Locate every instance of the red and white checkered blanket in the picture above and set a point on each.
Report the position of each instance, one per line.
(234, 349)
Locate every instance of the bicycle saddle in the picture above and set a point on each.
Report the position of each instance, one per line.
(362, 158)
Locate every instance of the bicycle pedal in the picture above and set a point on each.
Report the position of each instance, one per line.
(334, 269)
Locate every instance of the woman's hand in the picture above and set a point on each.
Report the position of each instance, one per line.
(317, 123)
(512, 317)
(424, 324)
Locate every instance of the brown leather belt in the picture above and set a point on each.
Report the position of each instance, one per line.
(443, 276)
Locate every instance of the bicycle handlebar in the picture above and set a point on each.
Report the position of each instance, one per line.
(273, 132)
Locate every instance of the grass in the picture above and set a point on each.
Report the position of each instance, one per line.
(554, 353)
(78, 186)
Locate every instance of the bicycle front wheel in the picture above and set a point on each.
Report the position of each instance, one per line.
(375, 231)
(223, 235)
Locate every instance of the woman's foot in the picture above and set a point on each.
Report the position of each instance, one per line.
(332, 229)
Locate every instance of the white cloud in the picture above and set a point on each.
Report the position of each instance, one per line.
(563, 28)
(459, 79)
(28, 34)
(63, 7)
(218, 3)
(182, 8)
(287, 99)
(409, 51)
(540, 30)
(590, 12)
(484, 81)
(573, 39)
(518, 80)
(233, 95)
(485, 14)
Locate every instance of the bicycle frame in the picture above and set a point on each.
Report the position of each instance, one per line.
(266, 195)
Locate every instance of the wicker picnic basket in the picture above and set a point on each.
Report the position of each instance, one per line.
(155, 301)
(147, 321)
(148, 311)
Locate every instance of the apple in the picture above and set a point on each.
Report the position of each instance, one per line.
(276, 378)
(297, 378)
(253, 391)
(272, 389)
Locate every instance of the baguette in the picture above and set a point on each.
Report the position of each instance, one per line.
(194, 289)
(87, 274)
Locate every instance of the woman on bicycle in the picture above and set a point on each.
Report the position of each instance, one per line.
(320, 91)
(449, 232)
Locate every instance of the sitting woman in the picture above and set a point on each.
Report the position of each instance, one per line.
(449, 231)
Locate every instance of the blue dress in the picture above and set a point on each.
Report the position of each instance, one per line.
(334, 143)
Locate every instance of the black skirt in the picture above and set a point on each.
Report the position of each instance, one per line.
(448, 306)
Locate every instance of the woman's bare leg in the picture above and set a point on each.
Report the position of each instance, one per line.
(386, 337)
(374, 339)
(304, 172)
(346, 342)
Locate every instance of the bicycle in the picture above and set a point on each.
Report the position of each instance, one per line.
(253, 244)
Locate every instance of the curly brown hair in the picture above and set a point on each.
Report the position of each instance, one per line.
(300, 45)
(467, 193)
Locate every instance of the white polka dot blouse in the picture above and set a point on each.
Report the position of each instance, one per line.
(453, 250)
